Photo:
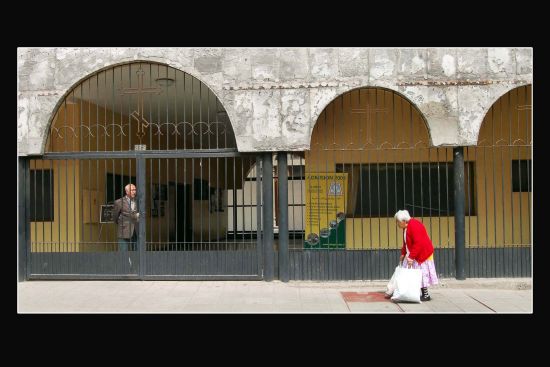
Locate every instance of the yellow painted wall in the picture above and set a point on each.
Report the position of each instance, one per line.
(63, 233)
(89, 190)
(389, 130)
(346, 132)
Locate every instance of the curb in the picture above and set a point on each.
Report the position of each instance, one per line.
(445, 283)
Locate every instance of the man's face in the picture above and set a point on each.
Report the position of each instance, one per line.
(131, 191)
(401, 225)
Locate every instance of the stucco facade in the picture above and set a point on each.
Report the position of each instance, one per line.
(273, 96)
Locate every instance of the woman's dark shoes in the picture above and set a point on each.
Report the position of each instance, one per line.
(425, 296)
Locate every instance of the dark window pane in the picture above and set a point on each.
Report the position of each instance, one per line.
(424, 189)
(41, 195)
(115, 186)
(521, 175)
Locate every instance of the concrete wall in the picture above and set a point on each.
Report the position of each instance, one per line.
(273, 96)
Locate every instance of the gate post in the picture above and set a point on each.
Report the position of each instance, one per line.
(267, 194)
(140, 173)
(458, 166)
(23, 219)
(283, 216)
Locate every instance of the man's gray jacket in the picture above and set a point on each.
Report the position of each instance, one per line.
(125, 218)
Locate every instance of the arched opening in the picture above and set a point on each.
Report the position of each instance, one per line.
(501, 230)
(380, 142)
(150, 123)
(370, 156)
(139, 105)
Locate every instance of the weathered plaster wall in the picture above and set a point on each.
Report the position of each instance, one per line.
(273, 96)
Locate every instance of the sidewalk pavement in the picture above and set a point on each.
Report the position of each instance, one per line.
(501, 295)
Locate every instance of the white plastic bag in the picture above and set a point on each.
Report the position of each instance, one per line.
(408, 284)
(392, 284)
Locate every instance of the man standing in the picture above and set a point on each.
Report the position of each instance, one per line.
(126, 216)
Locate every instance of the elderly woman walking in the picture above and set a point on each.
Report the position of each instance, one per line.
(417, 251)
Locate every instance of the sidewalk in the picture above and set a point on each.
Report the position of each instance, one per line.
(502, 295)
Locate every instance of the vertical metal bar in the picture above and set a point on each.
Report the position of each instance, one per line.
(458, 165)
(129, 113)
(302, 198)
(283, 216)
(362, 148)
(259, 215)
(201, 193)
(23, 225)
(529, 162)
(113, 108)
(520, 194)
(74, 181)
(440, 214)
(242, 182)
(219, 192)
(151, 186)
(387, 191)
(67, 206)
(159, 220)
(208, 213)
(141, 197)
(503, 210)
(369, 165)
(485, 177)
(478, 216)
(267, 190)
(494, 192)
(292, 203)
(468, 165)
(396, 158)
(251, 185)
(186, 199)
(58, 208)
(202, 178)
(325, 129)
(413, 203)
(176, 161)
(167, 207)
(446, 257)
(226, 182)
(234, 194)
(502, 180)
(351, 151)
(510, 155)
(193, 160)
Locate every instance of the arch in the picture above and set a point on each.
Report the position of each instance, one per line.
(354, 96)
(503, 159)
(177, 127)
(494, 96)
(324, 103)
(387, 162)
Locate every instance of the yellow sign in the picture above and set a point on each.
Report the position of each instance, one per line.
(326, 195)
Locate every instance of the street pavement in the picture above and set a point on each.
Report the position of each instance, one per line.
(502, 295)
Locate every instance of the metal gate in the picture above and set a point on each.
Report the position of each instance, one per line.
(371, 155)
(166, 133)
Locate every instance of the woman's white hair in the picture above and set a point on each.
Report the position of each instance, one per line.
(403, 216)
